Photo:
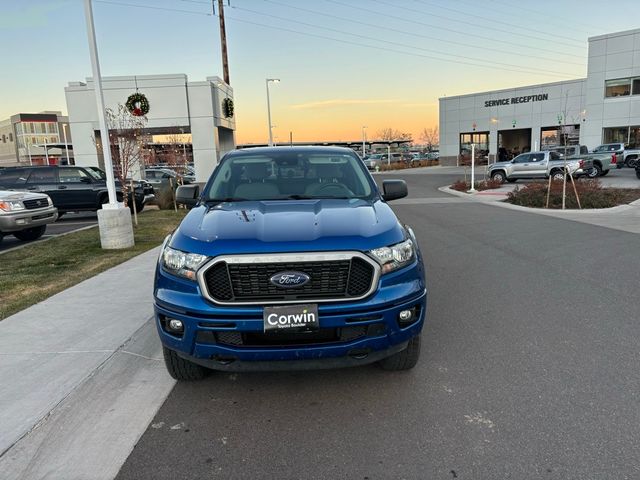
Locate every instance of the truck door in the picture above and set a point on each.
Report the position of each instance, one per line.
(537, 164)
(520, 166)
(76, 186)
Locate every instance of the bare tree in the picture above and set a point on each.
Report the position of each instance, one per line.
(391, 134)
(126, 138)
(430, 136)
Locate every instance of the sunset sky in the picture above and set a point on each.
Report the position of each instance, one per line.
(342, 63)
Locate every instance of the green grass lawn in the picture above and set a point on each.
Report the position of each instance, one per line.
(31, 274)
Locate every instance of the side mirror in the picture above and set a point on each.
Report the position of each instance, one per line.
(394, 189)
(188, 195)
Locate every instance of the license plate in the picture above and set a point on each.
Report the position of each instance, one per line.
(291, 317)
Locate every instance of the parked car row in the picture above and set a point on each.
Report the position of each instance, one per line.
(71, 188)
(372, 162)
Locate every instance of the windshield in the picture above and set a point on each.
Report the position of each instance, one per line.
(96, 173)
(289, 175)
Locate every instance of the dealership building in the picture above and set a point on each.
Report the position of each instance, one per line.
(604, 107)
(196, 116)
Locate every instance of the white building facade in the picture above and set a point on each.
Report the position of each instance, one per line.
(602, 108)
(203, 109)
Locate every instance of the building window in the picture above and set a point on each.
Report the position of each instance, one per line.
(636, 86)
(618, 88)
(11, 137)
(615, 135)
(4, 139)
(480, 140)
(634, 137)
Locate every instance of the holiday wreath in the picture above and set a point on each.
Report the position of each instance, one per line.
(137, 104)
(227, 108)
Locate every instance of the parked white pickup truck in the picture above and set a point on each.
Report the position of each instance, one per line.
(627, 157)
(537, 165)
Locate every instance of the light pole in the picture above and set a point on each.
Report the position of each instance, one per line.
(66, 145)
(274, 80)
(364, 140)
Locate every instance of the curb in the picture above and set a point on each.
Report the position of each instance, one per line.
(543, 211)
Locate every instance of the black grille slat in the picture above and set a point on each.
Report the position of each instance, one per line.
(287, 338)
(249, 282)
(360, 277)
(37, 203)
(217, 279)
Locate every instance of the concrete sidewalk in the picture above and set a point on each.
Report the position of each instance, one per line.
(82, 375)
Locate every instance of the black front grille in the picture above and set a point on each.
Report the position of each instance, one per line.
(250, 282)
(37, 203)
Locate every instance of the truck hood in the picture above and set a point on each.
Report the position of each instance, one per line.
(287, 226)
(500, 164)
(7, 195)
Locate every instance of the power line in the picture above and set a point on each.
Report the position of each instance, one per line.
(502, 28)
(390, 49)
(416, 22)
(298, 22)
(324, 37)
(386, 28)
(153, 7)
(530, 10)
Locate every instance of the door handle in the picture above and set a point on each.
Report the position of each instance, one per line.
(62, 187)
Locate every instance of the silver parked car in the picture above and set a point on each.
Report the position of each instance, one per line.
(25, 215)
(537, 165)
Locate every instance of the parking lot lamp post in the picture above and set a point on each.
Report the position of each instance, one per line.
(274, 80)
(473, 168)
(114, 221)
(46, 150)
(389, 153)
(364, 139)
(66, 145)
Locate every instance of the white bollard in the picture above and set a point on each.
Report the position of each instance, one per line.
(473, 168)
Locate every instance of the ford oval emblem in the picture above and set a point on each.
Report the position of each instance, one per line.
(289, 279)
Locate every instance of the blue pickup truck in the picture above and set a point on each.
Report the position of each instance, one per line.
(290, 258)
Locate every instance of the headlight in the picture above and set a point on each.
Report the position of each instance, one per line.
(181, 263)
(11, 206)
(50, 201)
(394, 257)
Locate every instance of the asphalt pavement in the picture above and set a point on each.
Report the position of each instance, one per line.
(68, 223)
(529, 370)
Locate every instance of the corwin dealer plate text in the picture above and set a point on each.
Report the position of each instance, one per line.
(296, 317)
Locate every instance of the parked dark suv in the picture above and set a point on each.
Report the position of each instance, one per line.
(71, 188)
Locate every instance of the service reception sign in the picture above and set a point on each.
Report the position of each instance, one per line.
(513, 100)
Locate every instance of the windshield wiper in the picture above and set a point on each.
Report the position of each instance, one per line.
(227, 199)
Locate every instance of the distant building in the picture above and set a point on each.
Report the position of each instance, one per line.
(35, 139)
(604, 107)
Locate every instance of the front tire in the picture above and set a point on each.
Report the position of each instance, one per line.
(499, 176)
(557, 176)
(181, 369)
(404, 360)
(30, 234)
(596, 171)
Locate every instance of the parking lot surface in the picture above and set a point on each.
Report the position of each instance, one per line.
(68, 223)
(529, 369)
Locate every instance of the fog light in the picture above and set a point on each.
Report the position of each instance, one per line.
(175, 325)
(409, 316)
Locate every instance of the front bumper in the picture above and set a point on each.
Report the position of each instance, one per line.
(17, 221)
(366, 330)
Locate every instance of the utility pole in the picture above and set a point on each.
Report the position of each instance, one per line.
(223, 39)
